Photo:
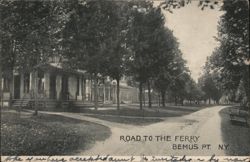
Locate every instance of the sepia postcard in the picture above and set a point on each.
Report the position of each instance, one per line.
(124, 80)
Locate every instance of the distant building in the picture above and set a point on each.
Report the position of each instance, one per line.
(56, 84)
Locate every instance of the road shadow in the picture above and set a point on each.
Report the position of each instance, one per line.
(236, 134)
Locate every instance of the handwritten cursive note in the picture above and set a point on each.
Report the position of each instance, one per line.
(109, 158)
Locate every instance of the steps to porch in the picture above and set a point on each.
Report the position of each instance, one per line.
(21, 103)
(81, 104)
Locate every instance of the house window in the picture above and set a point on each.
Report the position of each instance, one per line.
(26, 86)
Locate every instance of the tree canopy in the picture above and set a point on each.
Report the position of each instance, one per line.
(230, 61)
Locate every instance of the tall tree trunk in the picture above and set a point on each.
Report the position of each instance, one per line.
(84, 90)
(246, 83)
(182, 102)
(1, 76)
(95, 92)
(140, 95)
(12, 69)
(118, 93)
(159, 99)
(175, 100)
(163, 93)
(144, 99)
(209, 100)
(36, 93)
(149, 95)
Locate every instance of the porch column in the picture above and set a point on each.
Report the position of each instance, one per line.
(109, 93)
(114, 93)
(58, 86)
(91, 90)
(104, 93)
(2, 80)
(32, 81)
(46, 84)
(21, 85)
(13, 85)
(87, 90)
(83, 89)
(79, 97)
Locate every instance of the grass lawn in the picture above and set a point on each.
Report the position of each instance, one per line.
(154, 112)
(237, 135)
(47, 134)
(120, 116)
(132, 121)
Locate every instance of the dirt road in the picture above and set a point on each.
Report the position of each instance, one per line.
(190, 132)
(186, 135)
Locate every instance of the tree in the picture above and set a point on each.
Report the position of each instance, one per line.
(156, 48)
(167, 62)
(28, 30)
(116, 51)
(170, 5)
(209, 86)
(145, 24)
(193, 92)
(231, 58)
(87, 39)
(178, 87)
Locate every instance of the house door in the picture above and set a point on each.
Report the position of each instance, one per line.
(17, 81)
(65, 93)
(52, 85)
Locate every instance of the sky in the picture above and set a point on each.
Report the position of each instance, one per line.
(195, 30)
